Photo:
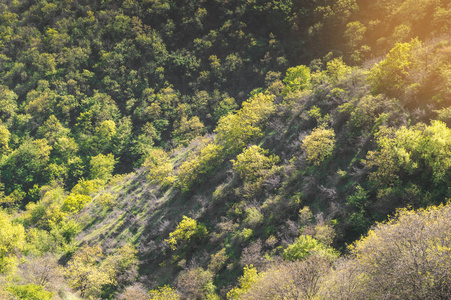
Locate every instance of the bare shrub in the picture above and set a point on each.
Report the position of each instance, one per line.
(134, 292)
(290, 280)
(195, 283)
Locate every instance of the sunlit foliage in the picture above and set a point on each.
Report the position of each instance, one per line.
(158, 165)
(186, 230)
(405, 257)
(411, 150)
(319, 145)
(235, 131)
(12, 240)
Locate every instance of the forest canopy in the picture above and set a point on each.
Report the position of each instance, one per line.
(209, 149)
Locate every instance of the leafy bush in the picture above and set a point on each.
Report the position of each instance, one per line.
(245, 234)
(196, 283)
(305, 246)
(296, 79)
(164, 293)
(12, 240)
(250, 276)
(411, 150)
(122, 265)
(235, 131)
(158, 165)
(252, 163)
(193, 170)
(290, 280)
(218, 260)
(186, 230)
(30, 292)
(319, 145)
(136, 292)
(88, 187)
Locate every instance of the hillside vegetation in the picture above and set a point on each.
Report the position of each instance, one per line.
(225, 149)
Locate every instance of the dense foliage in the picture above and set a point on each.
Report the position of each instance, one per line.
(168, 149)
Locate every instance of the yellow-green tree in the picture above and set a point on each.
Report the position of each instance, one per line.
(406, 257)
(12, 240)
(390, 75)
(30, 292)
(319, 145)
(186, 230)
(402, 151)
(253, 166)
(104, 134)
(252, 163)
(102, 166)
(75, 202)
(84, 273)
(235, 131)
(4, 139)
(250, 276)
(164, 293)
(304, 246)
(297, 79)
(158, 165)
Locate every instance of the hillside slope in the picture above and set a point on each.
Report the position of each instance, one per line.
(331, 158)
(179, 147)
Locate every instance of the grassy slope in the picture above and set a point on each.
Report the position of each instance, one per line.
(145, 214)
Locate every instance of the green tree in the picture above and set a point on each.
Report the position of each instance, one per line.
(186, 130)
(52, 129)
(251, 164)
(319, 145)
(30, 292)
(12, 240)
(158, 165)
(235, 131)
(297, 79)
(355, 37)
(250, 276)
(84, 273)
(164, 293)
(390, 75)
(102, 166)
(304, 246)
(26, 166)
(186, 230)
(8, 104)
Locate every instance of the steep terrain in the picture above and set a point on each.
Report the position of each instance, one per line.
(180, 148)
